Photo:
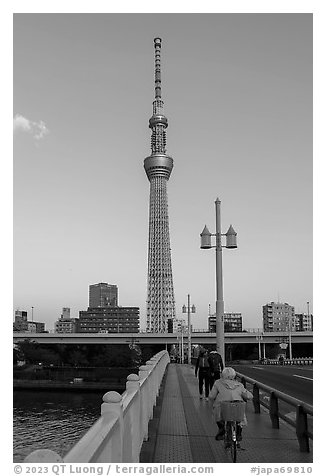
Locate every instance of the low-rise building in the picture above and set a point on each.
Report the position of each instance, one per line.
(303, 322)
(232, 322)
(108, 319)
(21, 324)
(66, 324)
(33, 326)
(278, 316)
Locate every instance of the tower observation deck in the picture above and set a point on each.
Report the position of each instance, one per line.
(158, 167)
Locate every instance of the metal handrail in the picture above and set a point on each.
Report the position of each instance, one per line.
(302, 409)
(294, 361)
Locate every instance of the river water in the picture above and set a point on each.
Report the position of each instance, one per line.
(52, 420)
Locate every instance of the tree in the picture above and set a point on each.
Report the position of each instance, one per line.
(113, 356)
(29, 351)
(77, 358)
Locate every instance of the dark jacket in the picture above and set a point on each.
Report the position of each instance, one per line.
(203, 363)
(215, 362)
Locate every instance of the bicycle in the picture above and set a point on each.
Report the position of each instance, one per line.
(232, 413)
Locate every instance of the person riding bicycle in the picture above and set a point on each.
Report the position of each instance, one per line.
(228, 389)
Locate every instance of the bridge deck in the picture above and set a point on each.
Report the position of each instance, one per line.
(183, 431)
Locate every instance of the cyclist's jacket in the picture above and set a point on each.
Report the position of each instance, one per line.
(226, 390)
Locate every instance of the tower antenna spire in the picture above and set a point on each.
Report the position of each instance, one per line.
(158, 167)
(157, 46)
(158, 122)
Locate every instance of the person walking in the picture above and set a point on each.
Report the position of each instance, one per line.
(203, 370)
(216, 364)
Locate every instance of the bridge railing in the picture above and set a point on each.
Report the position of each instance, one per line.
(296, 361)
(269, 398)
(117, 436)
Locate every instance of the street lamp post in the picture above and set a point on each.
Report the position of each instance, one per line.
(259, 349)
(290, 337)
(259, 337)
(308, 317)
(32, 313)
(181, 346)
(189, 310)
(231, 242)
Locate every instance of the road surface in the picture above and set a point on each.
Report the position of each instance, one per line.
(294, 380)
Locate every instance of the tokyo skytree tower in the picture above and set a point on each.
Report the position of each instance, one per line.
(158, 167)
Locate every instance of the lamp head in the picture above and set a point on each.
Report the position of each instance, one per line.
(205, 239)
(231, 238)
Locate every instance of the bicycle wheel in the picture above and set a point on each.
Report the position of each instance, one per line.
(234, 451)
(231, 439)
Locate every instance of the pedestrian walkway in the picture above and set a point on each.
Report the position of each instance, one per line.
(182, 429)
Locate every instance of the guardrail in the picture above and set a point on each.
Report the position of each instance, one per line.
(302, 409)
(117, 436)
(296, 361)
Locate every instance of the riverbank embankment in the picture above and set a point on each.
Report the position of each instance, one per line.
(73, 386)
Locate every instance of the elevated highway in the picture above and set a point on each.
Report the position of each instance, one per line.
(149, 338)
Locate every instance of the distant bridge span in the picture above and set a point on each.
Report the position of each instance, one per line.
(149, 338)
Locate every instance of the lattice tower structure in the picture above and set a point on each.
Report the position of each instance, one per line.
(158, 167)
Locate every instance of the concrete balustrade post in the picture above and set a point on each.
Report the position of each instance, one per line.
(166, 360)
(158, 378)
(132, 440)
(132, 384)
(43, 456)
(156, 375)
(162, 365)
(151, 382)
(159, 373)
(144, 401)
(162, 361)
(143, 372)
(112, 405)
(152, 363)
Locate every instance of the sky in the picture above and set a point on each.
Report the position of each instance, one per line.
(237, 89)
